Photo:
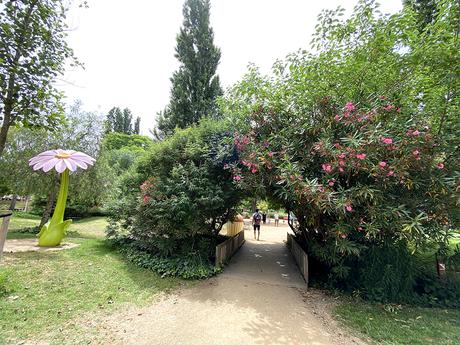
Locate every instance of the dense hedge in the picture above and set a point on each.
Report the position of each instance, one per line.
(173, 205)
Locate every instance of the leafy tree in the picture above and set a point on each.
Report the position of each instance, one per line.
(121, 121)
(195, 86)
(33, 52)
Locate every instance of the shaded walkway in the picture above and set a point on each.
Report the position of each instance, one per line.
(257, 300)
(266, 261)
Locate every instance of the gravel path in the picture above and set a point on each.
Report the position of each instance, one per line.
(259, 299)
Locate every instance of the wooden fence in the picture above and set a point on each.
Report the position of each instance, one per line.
(225, 250)
(300, 257)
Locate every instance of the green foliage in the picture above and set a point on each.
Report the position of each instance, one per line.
(195, 86)
(133, 142)
(33, 52)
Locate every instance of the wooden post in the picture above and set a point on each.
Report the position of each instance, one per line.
(5, 220)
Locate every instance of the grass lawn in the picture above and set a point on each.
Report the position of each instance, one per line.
(410, 325)
(44, 292)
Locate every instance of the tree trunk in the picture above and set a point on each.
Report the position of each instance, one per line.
(26, 206)
(3, 134)
(49, 207)
(13, 203)
(254, 205)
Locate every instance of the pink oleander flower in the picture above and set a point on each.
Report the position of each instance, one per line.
(361, 156)
(146, 199)
(387, 141)
(341, 156)
(416, 152)
(61, 160)
(349, 208)
(237, 178)
(342, 163)
(390, 173)
(415, 133)
(389, 107)
(341, 170)
(270, 154)
(440, 166)
(254, 170)
(398, 110)
(350, 106)
(382, 164)
(337, 118)
(327, 168)
(331, 182)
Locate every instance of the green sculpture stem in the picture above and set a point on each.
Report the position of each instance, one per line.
(58, 215)
(53, 232)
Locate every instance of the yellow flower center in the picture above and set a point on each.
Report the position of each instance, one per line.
(62, 155)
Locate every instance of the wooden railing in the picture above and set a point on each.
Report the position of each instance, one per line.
(5, 220)
(226, 249)
(300, 257)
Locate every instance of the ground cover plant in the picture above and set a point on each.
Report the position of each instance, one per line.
(357, 140)
(90, 278)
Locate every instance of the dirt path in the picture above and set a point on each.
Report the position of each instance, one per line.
(259, 299)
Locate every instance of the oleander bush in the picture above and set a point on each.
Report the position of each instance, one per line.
(360, 141)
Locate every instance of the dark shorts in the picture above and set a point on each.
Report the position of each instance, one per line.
(256, 227)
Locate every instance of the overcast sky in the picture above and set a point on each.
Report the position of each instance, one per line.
(127, 46)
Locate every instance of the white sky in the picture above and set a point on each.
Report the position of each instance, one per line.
(128, 46)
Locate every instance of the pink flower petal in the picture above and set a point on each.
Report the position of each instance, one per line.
(83, 157)
(50, 164)
(70, 164)
(39, 164)
(60, 166)
(80, 164)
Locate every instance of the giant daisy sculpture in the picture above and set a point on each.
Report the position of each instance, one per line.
(63, 161)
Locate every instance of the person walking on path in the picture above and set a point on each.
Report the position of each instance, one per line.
(256, 219)
(277, 219)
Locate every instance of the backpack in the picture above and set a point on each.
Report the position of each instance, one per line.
(257, 218)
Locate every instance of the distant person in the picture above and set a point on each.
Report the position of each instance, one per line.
(277, 219)
(256, 219)
(264, 217)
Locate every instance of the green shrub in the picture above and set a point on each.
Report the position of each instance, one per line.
(172, 207)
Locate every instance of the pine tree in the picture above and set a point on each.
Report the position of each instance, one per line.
(195, 86)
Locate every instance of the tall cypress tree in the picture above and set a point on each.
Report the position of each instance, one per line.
(195, 86)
